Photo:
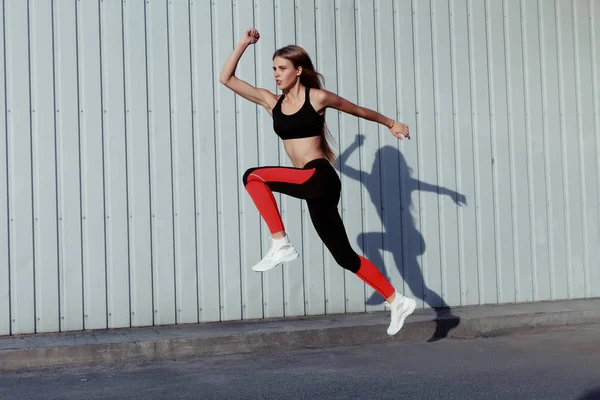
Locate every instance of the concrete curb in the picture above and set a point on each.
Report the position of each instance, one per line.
(209, 339)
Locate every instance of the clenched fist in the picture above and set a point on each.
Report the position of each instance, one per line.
(250, 36)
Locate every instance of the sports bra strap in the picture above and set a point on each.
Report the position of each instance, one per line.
(280, 100)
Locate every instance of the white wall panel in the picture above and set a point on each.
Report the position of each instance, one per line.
(204, 80)
(70, 129)
(467, 231)
(20, 188)
(93, 190)
(161, 162)
(138, 171)
(501, 158)
(482, 147)
(115, 172)
(446, 156)
(183, 163)
(554, 151)
(586, 139)
(44, 167)
(4, 220)
(536, 151)
(121, 157)
(519, 141)
(594, 10)
(571, 156)
(228, 178)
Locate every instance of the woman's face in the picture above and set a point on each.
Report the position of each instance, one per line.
(284, 72)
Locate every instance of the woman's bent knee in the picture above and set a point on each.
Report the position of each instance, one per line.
(348, 260)
(247, 175)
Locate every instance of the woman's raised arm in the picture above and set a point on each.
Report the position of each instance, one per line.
(259, 96)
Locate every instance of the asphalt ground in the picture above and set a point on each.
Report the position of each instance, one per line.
(559, 363)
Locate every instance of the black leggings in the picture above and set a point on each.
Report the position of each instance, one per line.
(318, 184)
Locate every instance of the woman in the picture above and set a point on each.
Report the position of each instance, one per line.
(298, 119)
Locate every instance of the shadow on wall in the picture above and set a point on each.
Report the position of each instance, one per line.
(591, 395)
(389, 158)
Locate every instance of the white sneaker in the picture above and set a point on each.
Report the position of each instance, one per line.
(279, 252)
(401, 308)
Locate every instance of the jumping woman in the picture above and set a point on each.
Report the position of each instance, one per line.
(299, 120)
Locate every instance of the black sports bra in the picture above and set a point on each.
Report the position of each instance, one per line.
(306, 122)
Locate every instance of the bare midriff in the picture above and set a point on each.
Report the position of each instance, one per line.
(301, 151)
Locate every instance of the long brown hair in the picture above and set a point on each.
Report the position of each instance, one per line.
(309, 78)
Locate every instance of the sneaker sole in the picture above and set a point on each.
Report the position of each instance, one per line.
(288, 258)
(411, 309)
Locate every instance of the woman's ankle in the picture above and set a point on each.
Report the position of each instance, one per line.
(278, 235)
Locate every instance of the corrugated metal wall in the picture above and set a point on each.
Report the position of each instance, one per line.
(121, 157)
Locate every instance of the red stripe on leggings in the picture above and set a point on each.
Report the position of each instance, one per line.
(262, 196)
(369, 273)
(283, 175)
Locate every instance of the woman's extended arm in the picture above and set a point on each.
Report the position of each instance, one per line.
(329, 99)
(256, 95)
